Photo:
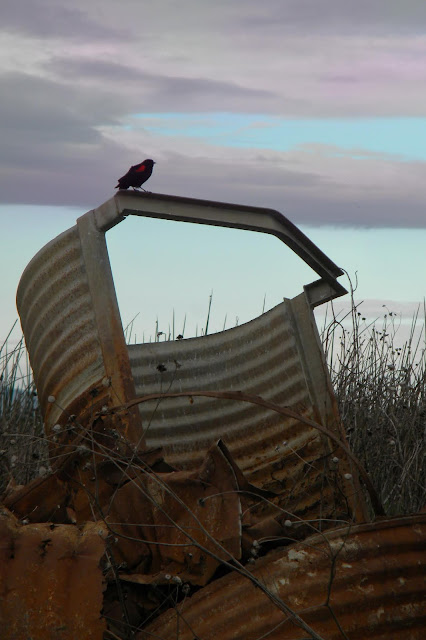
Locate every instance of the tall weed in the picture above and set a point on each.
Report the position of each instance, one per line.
(380, 389)
(381, 392)
(23, 448)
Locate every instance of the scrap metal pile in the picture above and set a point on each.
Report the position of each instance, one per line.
(224, 503)
(115, 543)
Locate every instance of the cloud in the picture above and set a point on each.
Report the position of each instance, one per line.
(308, 188)
(74, 77)
(44, 19)
(330, 16)
(194, 19)
(143, 90)
(396, 315)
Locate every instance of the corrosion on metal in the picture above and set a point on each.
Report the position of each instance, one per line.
(357, 582)
(51, 582)
(115, 358)
(173, 530)
(208, 485)
(69, 314)
(190, 521)
(58, 322)
(278, 357)
(283, 411)
(70, 317)
(162, 520)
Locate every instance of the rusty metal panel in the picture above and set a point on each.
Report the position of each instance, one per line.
(118, 376)
(276, 356)
(205, 504)
(58, 322)
(75, 339)
(68, 308)
(358, 583)
(72, 326)
(51, 583)
(260, 357)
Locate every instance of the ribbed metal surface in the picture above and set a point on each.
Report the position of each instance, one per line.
(259, 357)
(378, 590)
(57, 319)
(264, 357)
(70, 318)
(51, 583)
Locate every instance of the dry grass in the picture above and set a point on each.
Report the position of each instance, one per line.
(23, 449)
(380, 390)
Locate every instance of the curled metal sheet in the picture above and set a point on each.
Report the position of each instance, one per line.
(58, 322)
(237, 479)
(51, 583)
(259, 357)
(69, 313)
(276, 356)
(366, 581)
(182, 522)
(70, 317)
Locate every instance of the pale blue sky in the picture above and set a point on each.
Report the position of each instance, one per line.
(404, 138)
(161, 266)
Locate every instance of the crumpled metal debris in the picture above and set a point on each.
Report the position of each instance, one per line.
(152, 536)
(162, 526)
(111, 511)
(51, 581)
(365, 581)
(190, 522)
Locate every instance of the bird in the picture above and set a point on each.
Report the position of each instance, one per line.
(136, 175)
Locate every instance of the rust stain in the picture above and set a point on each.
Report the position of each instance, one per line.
(70, 317)
(191, 521)
(108, 321)
(58, 322)
(365, 581)
(51, 583)
(164, 532)
(41, 500)
(285, 411)
(203, 525)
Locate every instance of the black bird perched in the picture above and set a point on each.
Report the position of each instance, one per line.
(136, 175)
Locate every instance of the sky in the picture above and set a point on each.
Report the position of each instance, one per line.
(316, 108)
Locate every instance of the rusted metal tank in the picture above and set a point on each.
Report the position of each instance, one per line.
(74, 335)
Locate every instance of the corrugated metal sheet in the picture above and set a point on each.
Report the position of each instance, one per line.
(265, 357)
(358, 583)
(51, 583)
(69, 313)
(279, 481)
(260, 357)
(58, 322)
